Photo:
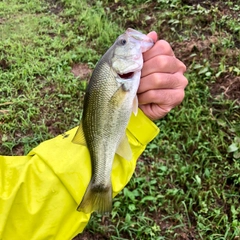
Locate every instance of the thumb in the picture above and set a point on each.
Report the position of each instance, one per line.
(153, 35)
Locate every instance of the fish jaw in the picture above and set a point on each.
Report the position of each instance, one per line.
(136, 37)
(128, 58)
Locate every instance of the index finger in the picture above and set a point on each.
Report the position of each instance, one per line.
(161, 47)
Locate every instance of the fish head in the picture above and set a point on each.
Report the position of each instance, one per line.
(127, 52)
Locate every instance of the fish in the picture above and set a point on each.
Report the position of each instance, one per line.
(109, 101)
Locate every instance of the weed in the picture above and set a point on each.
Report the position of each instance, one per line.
(186, 185)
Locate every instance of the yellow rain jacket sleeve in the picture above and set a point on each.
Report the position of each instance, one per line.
(40, 192)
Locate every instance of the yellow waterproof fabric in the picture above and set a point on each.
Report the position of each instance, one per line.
(39, 193)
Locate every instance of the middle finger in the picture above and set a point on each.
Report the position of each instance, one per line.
(162, 81)
(162, 63)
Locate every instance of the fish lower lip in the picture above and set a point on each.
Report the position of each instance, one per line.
(126, 75)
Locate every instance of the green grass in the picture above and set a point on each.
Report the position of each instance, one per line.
(186, 185)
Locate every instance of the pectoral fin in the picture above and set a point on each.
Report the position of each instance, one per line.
(124, 150)
(135, 105)
(79, 136)
(118, 97)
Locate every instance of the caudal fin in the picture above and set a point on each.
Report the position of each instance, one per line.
(97, 199)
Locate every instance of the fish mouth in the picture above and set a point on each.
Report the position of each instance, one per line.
(126, 75)
(136, 36)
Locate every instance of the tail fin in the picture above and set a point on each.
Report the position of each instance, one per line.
(97, 199)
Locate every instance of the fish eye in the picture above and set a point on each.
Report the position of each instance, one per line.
(123, 42)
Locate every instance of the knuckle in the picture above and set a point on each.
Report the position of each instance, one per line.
(173, 98)
(165, 46)
(156, 80)
(161, 62)
(179, 97)
(185, 81)
(181, 80)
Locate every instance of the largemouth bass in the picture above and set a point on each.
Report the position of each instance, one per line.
(108, 103)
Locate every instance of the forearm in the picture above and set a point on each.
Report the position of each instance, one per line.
(40, 192)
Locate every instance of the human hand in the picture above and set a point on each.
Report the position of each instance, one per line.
(162, 81)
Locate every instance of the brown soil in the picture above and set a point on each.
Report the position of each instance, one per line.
(81, 71)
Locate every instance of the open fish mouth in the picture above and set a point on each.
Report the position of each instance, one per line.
(126, 75)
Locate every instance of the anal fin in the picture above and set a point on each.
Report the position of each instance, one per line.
(124, 150)
(79, 136)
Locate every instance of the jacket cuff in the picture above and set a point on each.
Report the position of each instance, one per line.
(142, 128)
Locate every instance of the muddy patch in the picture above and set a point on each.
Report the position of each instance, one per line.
(81, 70)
